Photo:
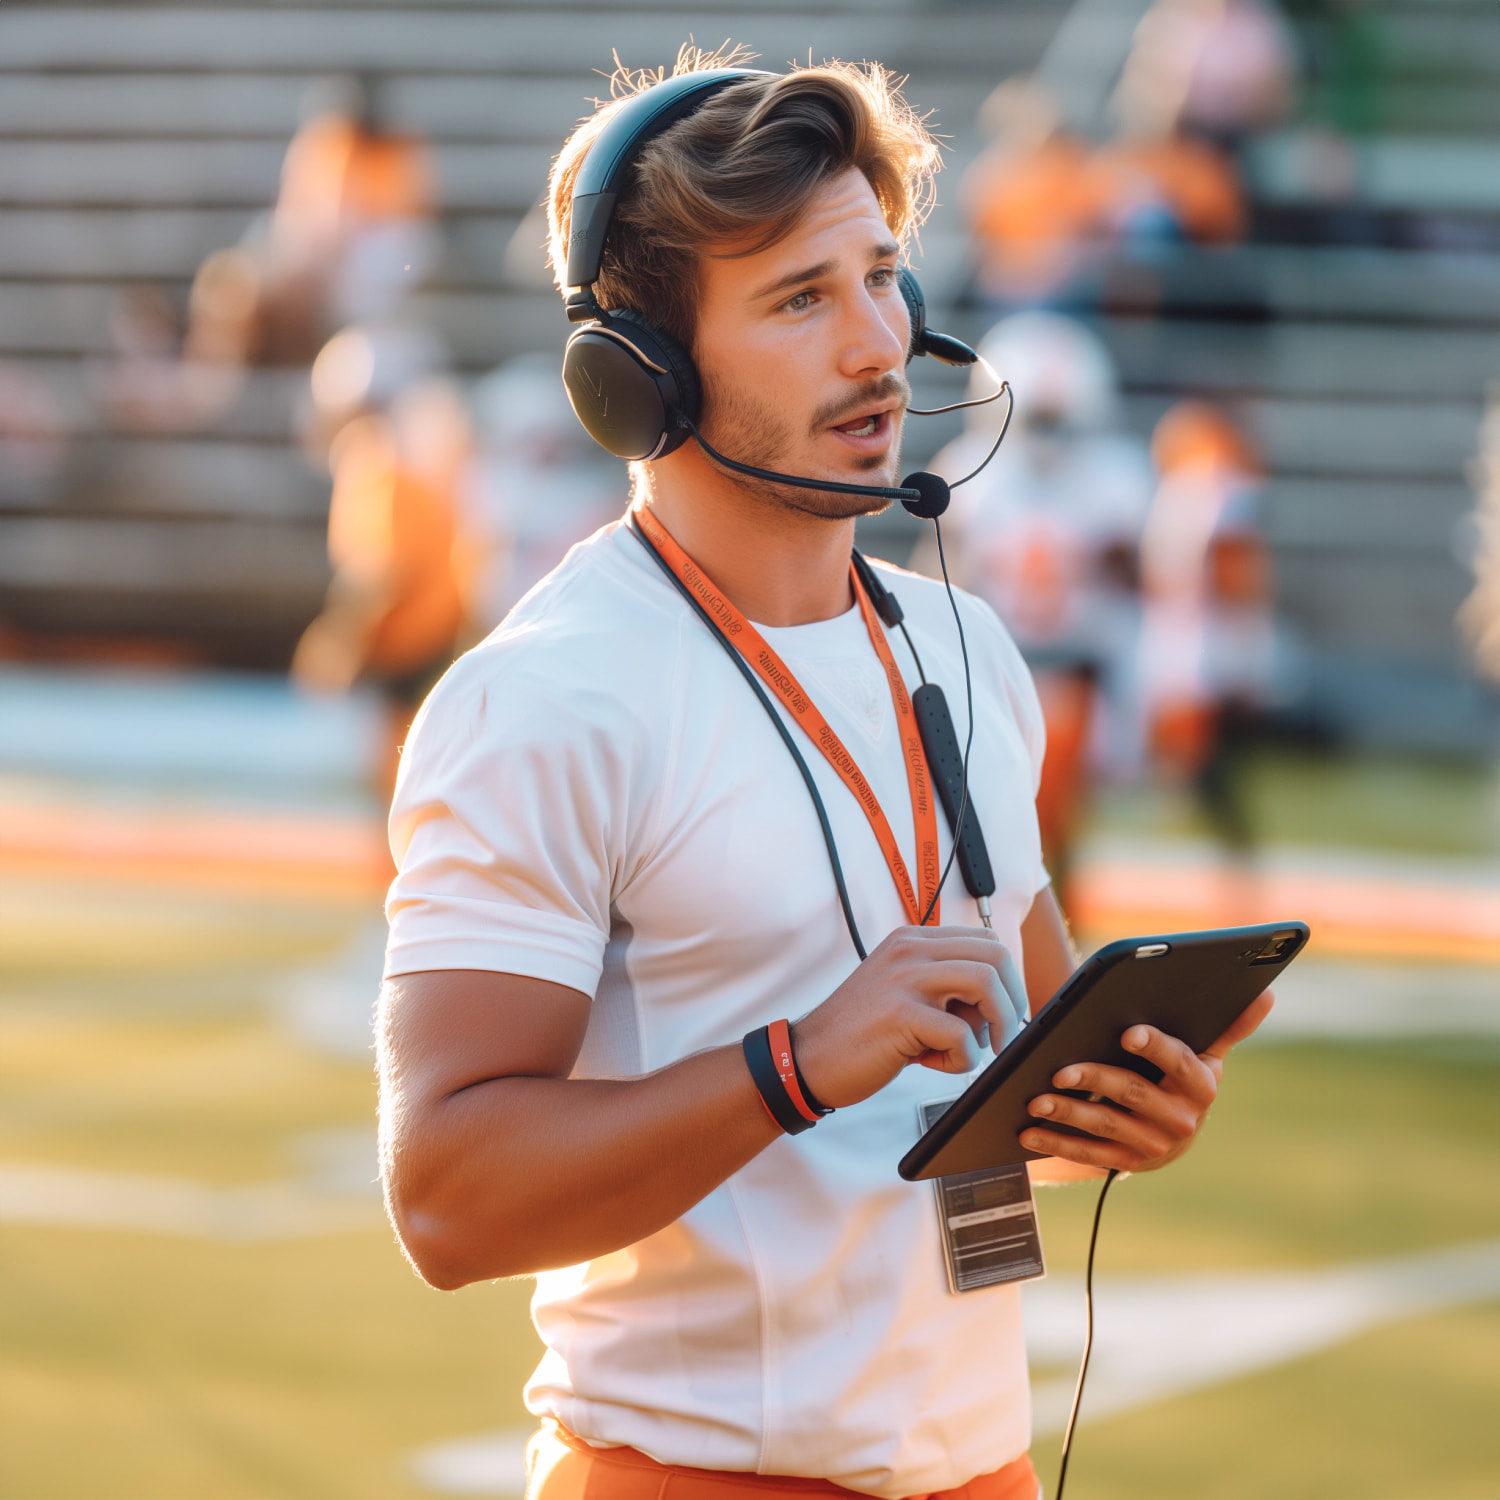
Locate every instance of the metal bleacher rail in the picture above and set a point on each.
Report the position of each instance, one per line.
(138, 137)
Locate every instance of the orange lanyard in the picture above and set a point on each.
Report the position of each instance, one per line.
(777, 676)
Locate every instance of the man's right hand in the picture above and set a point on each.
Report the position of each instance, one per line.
(497, 1163)
(925, 995)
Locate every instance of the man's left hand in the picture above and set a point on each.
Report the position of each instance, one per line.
(1154, 1123)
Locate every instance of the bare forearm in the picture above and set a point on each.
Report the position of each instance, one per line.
(517, 1175)
(498, 1164)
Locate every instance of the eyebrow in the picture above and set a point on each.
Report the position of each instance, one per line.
(883, 251)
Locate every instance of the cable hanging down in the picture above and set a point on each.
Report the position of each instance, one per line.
(1088, 1337)
(963, 801)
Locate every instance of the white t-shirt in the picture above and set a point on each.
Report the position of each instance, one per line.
(594, 797)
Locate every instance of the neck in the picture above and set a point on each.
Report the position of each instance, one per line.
(777, 565)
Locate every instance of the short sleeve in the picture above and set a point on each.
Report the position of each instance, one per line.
(506, 825)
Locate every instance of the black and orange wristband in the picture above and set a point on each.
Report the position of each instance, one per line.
(778, 1079)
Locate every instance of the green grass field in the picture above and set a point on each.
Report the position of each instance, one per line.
(135, 1037)
(1399, 804)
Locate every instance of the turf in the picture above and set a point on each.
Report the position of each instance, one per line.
(1397, 804)
(1315, 1154)
(136, 1366)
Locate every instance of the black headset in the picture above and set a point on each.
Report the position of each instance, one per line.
(633, 386)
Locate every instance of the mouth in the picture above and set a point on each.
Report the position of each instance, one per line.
(870, 429)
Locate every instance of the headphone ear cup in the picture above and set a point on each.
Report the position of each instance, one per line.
(916, 310)
(676, 367)
(631, 385)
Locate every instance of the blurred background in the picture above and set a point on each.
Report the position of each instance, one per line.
(281, 431)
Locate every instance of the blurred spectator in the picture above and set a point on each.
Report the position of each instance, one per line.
(539, 484)
(1048, 535)
(1207, 659)
(1048, 210)
(1157, 187)
(352, 231)
(1201, 75)
(1480, 614)
(1030, 197)
(395, 608)
(364, 368)
(1221, 69)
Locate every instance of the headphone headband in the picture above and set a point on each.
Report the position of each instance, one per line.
(601, 174)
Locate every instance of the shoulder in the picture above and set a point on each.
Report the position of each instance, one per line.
(592, 650)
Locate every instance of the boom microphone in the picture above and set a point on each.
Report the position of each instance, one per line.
(909, 492)
(922, 494)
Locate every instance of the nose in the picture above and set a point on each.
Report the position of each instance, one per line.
(875, 334)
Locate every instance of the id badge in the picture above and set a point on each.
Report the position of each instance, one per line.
(988, 1221)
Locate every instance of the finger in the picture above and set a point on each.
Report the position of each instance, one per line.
(977, 944)
(964, 944)
(969, 983)
(1174, 1112)
(973, 1017)
(1247, 1022)
(1014, 984)
(1143, 1136)
(1008, 988)
(1178, 1062)
(1086, 1151)
(944, 1042)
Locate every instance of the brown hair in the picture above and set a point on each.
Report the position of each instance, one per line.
(735, 176)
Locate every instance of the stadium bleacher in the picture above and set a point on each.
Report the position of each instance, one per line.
(1357, 339)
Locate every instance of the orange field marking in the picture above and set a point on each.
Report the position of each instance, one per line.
(1375, 915)
(250, 851)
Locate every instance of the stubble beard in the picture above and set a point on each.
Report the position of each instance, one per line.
(753, 432)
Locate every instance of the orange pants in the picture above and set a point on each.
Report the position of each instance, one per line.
(563, 1467)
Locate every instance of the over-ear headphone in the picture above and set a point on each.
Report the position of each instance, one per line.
(633, 386)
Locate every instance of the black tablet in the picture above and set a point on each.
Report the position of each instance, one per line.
(1190, 985)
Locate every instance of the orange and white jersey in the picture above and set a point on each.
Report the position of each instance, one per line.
(1041, 531)
(1207, 629)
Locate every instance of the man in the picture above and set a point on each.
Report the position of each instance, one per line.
(610, 873)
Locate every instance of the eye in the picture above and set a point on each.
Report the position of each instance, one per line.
(883, 276)
(800, 303)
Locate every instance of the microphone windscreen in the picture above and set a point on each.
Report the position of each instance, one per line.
(946, 349)
(934, 493)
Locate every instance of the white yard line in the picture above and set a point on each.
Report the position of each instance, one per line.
(489, 1463)
(1372, 1000)
(1159, 1336)
(71, 1198)
(1155, 1337)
